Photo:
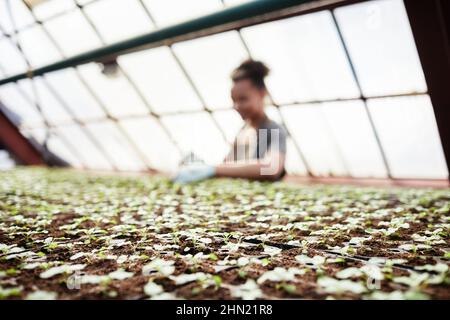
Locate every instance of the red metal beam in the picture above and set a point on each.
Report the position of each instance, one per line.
(430, 24)
(17, 144)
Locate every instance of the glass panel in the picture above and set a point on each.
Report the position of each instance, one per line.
(230, 122)
(72, 33)
(115, 92)
(160, 80)
(35, 136)
(273, 113)
(153, 141)
(84, 2)
(51, 107)
(235, 2)
(164, 12)
(294, 163)
(209, 61)
(90, 152)
(307, 126)
(19, 109)
(58, 148)
(11, 60)
(20, 14)
(74, 93)
(351, 128)
(118, 148)
(197, 133)
(408, 132)
(306, 58)
(381, 45)
(47, 9)
(37, 46)
(118, 19)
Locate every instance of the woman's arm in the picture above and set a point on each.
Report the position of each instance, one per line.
(268, 168)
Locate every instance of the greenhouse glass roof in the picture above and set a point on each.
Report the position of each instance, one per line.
(346, 83)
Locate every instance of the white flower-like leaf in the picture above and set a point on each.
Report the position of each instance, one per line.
(93, 279)
(280, 274)
(243, 261)
(315, 261)
(349, 273)
(152, 289)
(189, 277)
(77, 255)
(372, 271)
(163, 267)
(42, 295)
(439, 267)
(272, 251)
(331, 285)
(248, 291)
(66, 268)
(397, 295)
(414, 280)
(120, 274)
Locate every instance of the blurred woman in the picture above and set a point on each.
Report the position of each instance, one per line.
(259, 149)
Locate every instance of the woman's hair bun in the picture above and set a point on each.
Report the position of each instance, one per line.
(253, 70)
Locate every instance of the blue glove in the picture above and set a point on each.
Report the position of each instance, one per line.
(194, 172)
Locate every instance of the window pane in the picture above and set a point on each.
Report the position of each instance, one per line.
(209, 61)
(19, 109)
(72, 33)
(273, 114)
(294, 163)
(47, 9)
(230, 122)
(153, 141)
(235, 2)
(11, 60)
(51, 107)
(36, 136)
(161, 80)
(115, 92)
(118, 148)
(306, 58)
(58, 148)
(164, 12)
(381, 45)
(20, 13)
(89, 151)
(118, 19)
(74, 93)
(37, 46)
(197, 133)
(411, 142)
(352, 131)
(309, 128)
(84, 2)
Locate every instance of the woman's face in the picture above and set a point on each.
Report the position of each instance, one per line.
(248, 99)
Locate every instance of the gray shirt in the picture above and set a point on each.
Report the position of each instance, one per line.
(272, 136)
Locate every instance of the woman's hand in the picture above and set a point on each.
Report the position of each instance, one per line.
(194, 172)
